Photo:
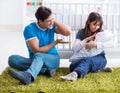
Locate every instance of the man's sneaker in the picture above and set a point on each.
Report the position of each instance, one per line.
(51, 72)
(72, 76)
(107, 69)
(23, 76)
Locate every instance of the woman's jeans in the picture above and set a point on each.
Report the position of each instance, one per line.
(89, 64)
(37, 65)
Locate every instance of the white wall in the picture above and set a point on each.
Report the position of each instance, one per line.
(11, 11)
(11, 27)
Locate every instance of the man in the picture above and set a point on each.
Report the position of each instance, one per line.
(39, 37)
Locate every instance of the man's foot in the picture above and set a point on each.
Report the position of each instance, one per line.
(107, 69)
(51, 72)
(23, 76)
(72, 76)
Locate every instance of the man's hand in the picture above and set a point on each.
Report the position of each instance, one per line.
(62, 42)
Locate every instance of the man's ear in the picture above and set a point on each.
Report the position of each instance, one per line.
(40, 21)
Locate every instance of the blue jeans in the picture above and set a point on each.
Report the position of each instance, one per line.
(37, 65)
(89, 64)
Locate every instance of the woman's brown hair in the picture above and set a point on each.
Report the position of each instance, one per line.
(93, 16)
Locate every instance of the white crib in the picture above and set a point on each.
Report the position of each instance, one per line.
(75, 14)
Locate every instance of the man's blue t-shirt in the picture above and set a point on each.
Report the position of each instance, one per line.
(45, 37)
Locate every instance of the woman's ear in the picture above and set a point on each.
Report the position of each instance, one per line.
(88, 22)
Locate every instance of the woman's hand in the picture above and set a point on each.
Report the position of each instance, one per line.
(92, 37)
(90, 45)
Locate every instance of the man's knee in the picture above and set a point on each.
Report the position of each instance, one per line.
(38, 54)
(11, 60)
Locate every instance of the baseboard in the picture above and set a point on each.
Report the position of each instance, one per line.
(111, 62)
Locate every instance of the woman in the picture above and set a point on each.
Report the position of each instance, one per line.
(80, 67)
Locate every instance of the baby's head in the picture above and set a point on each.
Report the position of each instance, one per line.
(104, 36)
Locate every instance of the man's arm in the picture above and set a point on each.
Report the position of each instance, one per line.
(62, 28)
(34, 45)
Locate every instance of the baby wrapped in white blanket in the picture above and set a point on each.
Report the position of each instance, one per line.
(103, 40)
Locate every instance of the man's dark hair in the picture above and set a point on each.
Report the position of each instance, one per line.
(43, 13)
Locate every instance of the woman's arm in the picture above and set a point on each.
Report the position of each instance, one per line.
(78, 45)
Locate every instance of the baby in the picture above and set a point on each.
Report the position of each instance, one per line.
(103, 40)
